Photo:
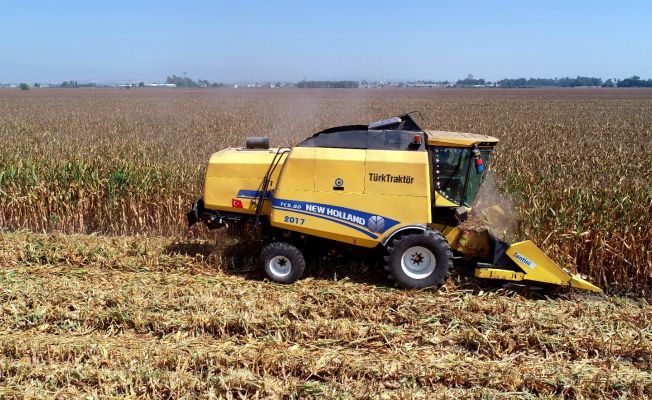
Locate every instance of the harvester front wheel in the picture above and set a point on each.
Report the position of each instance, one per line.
(419, 260)
(283, 262)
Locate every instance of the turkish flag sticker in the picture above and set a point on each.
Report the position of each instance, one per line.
(235, 203)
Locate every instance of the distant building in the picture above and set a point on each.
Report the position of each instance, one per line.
(427, 85)
(167, 85)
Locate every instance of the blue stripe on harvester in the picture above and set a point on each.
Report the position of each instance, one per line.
(371, 235)
(369, 224)
(252, 194)
(355, 217)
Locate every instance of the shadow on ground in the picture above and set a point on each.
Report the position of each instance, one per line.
(191, 249)
(241, 258)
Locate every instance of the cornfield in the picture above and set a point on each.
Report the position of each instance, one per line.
(576, 164)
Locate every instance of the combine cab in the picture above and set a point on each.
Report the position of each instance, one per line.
(389, 185)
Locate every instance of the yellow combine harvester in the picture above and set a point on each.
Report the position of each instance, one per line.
(389, 185)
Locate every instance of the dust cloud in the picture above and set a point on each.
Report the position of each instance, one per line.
(495, 210)
(302, 112)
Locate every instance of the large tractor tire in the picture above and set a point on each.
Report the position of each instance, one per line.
(283, 262)
(419, 260)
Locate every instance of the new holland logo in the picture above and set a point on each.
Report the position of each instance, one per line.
(376, 223)
(335, 213)
(525, 260)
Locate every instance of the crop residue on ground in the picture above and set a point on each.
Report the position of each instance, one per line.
(150, 317)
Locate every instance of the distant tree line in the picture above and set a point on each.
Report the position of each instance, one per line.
(69, 84)
(556, 82)
(634, 81)
(183, 81)
(470, 82)
(75, 84)
(328, 84)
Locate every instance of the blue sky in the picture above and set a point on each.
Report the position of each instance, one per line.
(229, 41)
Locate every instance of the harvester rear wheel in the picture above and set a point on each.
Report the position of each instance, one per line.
(283, 262)
(419, 260)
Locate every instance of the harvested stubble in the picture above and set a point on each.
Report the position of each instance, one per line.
(147, 317)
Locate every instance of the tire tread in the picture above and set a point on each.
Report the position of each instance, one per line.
(441, 249)
(292, 253)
